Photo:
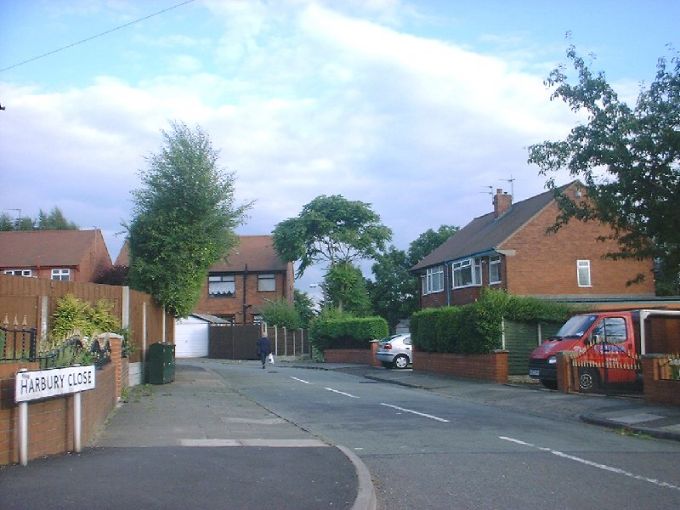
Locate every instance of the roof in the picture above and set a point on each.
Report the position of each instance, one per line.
(46, 248)
(485, 233)
(255, 251)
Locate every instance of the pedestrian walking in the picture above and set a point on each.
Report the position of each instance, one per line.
(264, 348)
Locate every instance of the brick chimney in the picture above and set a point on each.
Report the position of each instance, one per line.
(501, 203)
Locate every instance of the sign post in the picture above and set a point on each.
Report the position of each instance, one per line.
(42, 384)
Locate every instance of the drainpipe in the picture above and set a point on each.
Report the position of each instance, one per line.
(245, 304)
(447, 282)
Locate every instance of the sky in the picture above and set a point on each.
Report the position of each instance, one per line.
(421, 109)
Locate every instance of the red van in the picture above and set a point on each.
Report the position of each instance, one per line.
(608, 346)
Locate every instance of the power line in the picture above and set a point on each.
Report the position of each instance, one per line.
(96, 36)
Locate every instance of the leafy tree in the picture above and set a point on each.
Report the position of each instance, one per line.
(6, 223)
(344, 287)
(628, 159)
(184, 219)
(428, 241)
(304, 305)
(54, 220)
(331, 229)
(281, 313)
(394, 290)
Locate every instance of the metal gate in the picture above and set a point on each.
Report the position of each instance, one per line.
(605, 368)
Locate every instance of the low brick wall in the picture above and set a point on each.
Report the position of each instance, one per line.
(489, 367)
(358, 356)
(658, 390)
(50, 421)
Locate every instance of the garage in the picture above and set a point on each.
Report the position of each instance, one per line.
(191, 335)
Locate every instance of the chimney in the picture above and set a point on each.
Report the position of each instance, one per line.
(501, 203)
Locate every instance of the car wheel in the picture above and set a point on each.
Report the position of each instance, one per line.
(588, 380)
(401, 361)
(549, 384)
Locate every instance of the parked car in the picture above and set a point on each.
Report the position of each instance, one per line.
(395, 351)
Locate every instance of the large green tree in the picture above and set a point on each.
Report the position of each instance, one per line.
(628, 158)
(426, 242)
(331, 229)
(184, 219)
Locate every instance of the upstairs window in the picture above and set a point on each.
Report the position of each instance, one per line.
(19, 272)
(467, 273)
(221, 285)
(495, 269)
(266, 283)
(583, 273)
(61, 274)
(434, 280)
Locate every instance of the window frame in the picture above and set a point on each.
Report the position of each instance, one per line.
(18, 272)
(223, 278)
(472, 264)
(266, 277)
(59, 273)
(496, 262)
(583, 265)
(433, 275)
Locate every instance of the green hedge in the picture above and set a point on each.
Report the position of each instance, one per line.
(346, 333)
(476, 328)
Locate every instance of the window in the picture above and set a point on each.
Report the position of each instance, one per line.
(495, 269)
(19, 272)
(61, 274)
(612, 329)
(467, 272)
(221, 285)
(266, 283)
(434, 280)
(583, 273)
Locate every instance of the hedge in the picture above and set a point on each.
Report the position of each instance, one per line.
(476, 328)
(346, 333)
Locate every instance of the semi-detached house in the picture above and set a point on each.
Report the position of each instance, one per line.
(511, 249)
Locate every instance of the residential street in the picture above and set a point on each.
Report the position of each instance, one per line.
(428, 451)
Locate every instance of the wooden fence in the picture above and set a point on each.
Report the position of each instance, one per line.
(30, 302)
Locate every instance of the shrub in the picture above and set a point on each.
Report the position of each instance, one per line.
(74, 317)
(281, 313)
(338, 330)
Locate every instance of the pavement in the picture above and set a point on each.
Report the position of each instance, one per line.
(199, 443)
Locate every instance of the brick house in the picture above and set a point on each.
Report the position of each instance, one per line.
(71, 255)
(510, 249)
(238, 286)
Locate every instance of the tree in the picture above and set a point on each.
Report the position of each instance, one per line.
(628, 159)
(184, 219)
(344, 287)
(426, 242)
(54, 220)
(304, 305)
(331, 229)
(281, 313)
(394, 290)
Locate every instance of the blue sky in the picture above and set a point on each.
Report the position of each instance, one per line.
(418, 108)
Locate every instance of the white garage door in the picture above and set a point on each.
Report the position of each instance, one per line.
(191, 338)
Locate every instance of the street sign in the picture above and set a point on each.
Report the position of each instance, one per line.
(50, 383)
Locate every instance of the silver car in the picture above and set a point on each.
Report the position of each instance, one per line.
(395, 351)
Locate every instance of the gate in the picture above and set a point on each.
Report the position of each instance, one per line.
(520, 339)
(233, 342)
(606, 368)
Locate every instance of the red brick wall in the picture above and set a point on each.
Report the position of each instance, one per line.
(50, 421)
(490, 367)
(359, 356)
(545, 264)
(658, 391)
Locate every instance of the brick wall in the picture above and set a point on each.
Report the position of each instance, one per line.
(50, 421)
(359, 356)
(545, 264)
(489, 367)
(657, 390)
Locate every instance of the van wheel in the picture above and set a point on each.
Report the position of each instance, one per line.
(588, 380)
(401, 361)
